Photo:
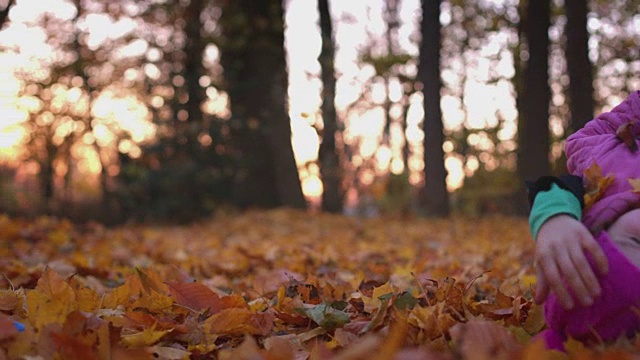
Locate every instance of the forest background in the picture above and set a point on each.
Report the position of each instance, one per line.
(162, 110)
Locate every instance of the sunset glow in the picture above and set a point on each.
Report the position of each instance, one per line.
(121, 122)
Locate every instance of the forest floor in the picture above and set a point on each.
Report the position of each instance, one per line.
(275, 285)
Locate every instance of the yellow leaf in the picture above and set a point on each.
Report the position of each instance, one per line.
(151, 281)
(382, 290)
(119, 296)
(87, 299)
(529, 280)
(635, 184)
(51, 301)
(373, 303)
(596, 184)
(147, 337)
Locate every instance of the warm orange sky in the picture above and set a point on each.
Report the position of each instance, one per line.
(303, 44)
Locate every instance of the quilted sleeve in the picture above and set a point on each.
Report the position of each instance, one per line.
(598, 136)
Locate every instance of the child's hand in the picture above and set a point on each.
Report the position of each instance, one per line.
(560, 258)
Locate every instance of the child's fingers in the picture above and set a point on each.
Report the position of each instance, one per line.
(574, 278)
(584, 270)
(542, 287)
(552, 274)
(589, 243)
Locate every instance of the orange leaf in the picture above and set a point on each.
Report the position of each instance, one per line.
(233, 301)
(72, 347)
(195, 296)
(237, 322)
(596, 184)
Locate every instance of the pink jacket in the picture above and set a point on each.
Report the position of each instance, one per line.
(612, 315)
(598, 142)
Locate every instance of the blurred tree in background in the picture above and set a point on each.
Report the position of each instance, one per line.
(533, 125)
(330, 166)
(434, 196)
(4, 13)
(255, 77)
(174, 109)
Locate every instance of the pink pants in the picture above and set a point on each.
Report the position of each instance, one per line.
(615, 313)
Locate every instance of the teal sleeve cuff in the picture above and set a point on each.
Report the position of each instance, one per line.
(553, 202)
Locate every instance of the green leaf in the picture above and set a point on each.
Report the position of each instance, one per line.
(326, 316)
(405, 301)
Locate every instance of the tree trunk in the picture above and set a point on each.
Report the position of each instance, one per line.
(253, 58)
(329, 160)
(391, 19)
(533, 129)
(581, 102)
(193, 69)
(435, 198)
(4, 13)
(79, 69)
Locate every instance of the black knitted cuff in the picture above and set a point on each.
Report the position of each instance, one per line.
(570, 183)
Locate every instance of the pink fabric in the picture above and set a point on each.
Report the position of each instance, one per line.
(614, 314)
(597, 142)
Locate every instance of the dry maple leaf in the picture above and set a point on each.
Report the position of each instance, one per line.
(195, 296)
(625, 133)
(7, 327)
(596, 184)
(238, 322)
(635, 184)
(482, 339)
(147, 337)
(51, 301)
(355, 269)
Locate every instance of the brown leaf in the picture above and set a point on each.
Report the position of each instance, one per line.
(625, 133)
(7, 329)
(8, 300)
(481, 339)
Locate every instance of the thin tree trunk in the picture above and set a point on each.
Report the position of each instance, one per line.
(79, 68)
(4, 13)
(434, 195)
(332, 197)
(581, 102)
(193, 70)
(391, 18)
(406, 149)
(533, 128)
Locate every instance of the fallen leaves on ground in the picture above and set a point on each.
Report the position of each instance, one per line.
(274, 285)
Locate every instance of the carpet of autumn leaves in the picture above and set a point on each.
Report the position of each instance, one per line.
(275, 285)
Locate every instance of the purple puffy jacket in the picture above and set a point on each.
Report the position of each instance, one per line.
(597, 142)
